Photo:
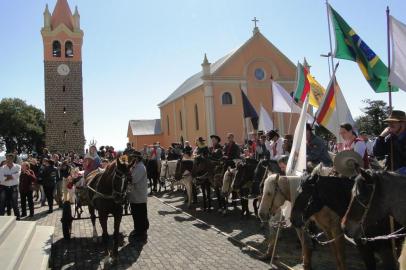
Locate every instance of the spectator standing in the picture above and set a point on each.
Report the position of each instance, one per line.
(9, 180)
(27, 179)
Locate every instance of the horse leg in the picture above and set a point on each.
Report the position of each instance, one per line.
(208, 190)
(255, 206)
(194, 193)
(306, 249)
(103, 223)
(189, 192)
(93, 219)
(234, 199)
(117, 221)
(204, 197)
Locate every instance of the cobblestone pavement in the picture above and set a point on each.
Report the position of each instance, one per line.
(176, 241)
(249, 231)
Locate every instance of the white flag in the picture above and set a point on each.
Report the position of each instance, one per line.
(282, 101)
(397, 76)
(265, 122)
(297, 157)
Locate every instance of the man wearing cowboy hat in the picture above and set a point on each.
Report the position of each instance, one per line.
(394, 134)
(137, 197)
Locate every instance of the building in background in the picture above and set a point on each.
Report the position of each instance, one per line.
(62, 39)
(210, 101)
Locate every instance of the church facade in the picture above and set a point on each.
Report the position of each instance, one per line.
(210, 101)
(63, 38)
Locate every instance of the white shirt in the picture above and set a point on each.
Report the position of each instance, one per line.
(14, 171)
(370, 147)
(278, 147)
(358, 146)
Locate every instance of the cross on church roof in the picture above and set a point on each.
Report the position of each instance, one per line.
(255, 21)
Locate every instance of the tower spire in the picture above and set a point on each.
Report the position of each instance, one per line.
(47, 18)
(206, 65)
(62, 14)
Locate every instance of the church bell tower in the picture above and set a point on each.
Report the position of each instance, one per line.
(62, 38)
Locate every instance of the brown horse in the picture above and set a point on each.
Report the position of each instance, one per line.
(107, 191)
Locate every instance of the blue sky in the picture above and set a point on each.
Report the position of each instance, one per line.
(136, 53)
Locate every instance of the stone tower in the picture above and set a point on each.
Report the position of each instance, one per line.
(62, 39)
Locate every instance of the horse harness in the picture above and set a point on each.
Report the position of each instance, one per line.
(117, 173)
(366, 207)
(276, 189)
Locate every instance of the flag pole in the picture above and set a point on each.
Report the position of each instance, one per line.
(391, 220)
(339, 141)
(389, 62)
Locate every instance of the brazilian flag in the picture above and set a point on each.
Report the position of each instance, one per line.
(351, 47)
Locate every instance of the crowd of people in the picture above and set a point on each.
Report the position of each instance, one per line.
(44, 177)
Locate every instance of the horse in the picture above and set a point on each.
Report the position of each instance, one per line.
(376, 195)
(318, 192)
(168, 171)
(242, 182)
(153, 175)
(277, 190)
(203, 172)
(217, 183)
(106, 194)
(183, 176)
(261, 172)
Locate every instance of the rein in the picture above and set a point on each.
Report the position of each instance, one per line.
(366, 208)
(316, 237)
(276, 189)
(114, 192)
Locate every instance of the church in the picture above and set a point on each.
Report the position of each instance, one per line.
(210, 101)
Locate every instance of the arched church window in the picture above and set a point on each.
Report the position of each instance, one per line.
(226, 99)
(196, 117)
(68, 49)
(56, 49)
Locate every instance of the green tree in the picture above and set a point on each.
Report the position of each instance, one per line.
(372, 121)
(22, 126)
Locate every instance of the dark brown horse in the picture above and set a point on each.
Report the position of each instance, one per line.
(107, 191)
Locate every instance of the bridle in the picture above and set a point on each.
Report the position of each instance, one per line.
(366, 207)
(275, 191)
(122, 176)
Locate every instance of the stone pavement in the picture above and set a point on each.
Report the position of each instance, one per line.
(176, 241)
(249, 232)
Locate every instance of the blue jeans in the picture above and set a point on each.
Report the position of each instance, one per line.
(9, 194)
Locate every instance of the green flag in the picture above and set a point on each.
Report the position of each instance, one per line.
(351, 47)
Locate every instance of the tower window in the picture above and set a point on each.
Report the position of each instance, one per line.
(64, 110)
(68, 49)
(63, 88)
(196, 117)
(56, 49)
(64, 134)
(226, 99)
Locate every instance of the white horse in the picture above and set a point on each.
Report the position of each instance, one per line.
(277, 190)
(168, 170)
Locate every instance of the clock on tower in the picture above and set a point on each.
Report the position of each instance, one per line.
(62, 39)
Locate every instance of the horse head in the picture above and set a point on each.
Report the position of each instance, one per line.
(121, 178)
(227, 180)
(273, 197)
(359, 214)
(307, 201)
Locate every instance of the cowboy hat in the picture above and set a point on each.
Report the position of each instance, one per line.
(396, 116)
(215, 136)
(346, 162)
